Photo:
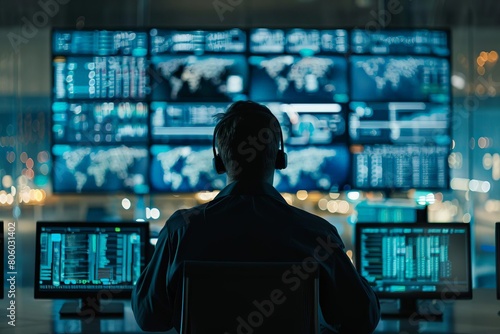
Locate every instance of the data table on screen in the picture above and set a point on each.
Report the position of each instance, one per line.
(414, 259)
(400, 167)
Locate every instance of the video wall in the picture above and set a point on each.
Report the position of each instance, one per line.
(133, 111)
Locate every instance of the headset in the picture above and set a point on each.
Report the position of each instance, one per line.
(281, 157)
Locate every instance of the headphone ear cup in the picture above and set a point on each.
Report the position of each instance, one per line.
(218, 164)
(281, 160)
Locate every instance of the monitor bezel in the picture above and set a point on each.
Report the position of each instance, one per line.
(98, 293)
(497, 258)
(442, 294)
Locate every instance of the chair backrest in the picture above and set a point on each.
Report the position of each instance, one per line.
(250, 298)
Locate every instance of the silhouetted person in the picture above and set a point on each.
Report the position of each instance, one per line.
(249, 221)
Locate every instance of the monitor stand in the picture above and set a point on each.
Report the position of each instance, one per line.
(91, 307)
(408, 308)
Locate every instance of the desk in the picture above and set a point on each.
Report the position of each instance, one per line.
(477, 316)
(39, 316)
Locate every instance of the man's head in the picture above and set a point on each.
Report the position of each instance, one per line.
(248, 138)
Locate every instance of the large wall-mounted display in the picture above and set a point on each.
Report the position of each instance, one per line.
(133, 111)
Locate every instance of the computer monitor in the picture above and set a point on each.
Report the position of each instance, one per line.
(1, 260)
(184, 123)
(166, 41)
(184, 169)
(400, 123)
(400, 79)
(314, 167)
(400, 41)
(95, 77)
(100, 123)
(415, 261)
(100, 42)
(199, 78)
(388, 167)
(94, 169)
(298, 79)
(92, 261)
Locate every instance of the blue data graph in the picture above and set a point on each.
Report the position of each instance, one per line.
(100, 77)
(103, 123)
(99, 42)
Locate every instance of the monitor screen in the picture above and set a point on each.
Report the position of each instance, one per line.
(92, 169)
(78, 259)
(305, 124)
(184, 123)
(316, 41)
(99, 42)
(100, 123)
(298, 41)
(423, 261)
(265, 40)
(399, 123)
(321, 167)
(388, 211)
(184, 169)
(100, 77)
(289, 78)
(418, 41)
(497, 255)
(315, 124)
(400, 79)
(197, 41)
(400, 167)
(192, 78)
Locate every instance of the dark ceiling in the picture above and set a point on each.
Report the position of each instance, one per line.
(249, 13)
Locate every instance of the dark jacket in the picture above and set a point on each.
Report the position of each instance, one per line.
(251, 222)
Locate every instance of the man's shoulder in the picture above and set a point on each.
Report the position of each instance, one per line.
(183, 217)
(317, 224)
(309, 217)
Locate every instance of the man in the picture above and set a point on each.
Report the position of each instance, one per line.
(249, 221)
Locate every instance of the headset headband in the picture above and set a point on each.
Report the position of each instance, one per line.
(237, 113)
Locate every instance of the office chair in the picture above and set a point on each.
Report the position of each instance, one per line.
(250, 298)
